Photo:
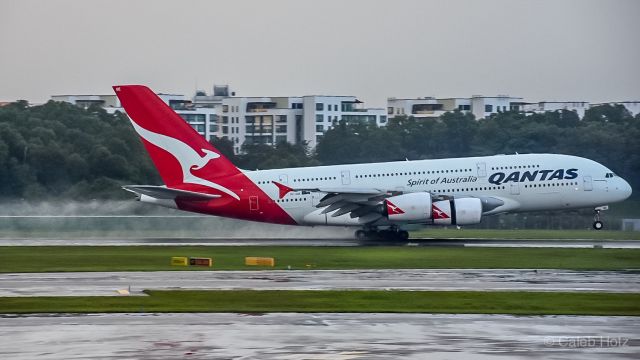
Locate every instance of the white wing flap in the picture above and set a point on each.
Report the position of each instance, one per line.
(162, 192)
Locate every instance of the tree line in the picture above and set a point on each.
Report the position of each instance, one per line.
(58, 150)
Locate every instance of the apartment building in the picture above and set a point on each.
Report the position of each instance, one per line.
(429, 107)
(543, 106)
(269, 120)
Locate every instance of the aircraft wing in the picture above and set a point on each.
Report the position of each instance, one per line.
(162, 192)
(362, 203)
(366, 204)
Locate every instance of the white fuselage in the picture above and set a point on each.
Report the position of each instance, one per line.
(527, 182)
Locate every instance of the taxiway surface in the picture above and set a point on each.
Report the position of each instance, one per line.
(107, 283)
(317, 336)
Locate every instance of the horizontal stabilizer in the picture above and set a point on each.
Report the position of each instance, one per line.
(161, 192)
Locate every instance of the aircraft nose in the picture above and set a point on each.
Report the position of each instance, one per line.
(625, 189)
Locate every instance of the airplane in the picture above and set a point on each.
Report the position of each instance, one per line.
(376, 198)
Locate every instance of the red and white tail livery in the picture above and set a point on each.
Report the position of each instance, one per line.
(373, 196)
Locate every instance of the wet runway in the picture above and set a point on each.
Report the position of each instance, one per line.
(317, 336)
(107, 283)
(470, 242)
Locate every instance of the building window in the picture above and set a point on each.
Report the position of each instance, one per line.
(281, 139)
(390, 110)
(281, 128)
(225, 108)
(488, 108)
(318, 138)
(191, 118)
(319, 128)
(225, 119)
(225, 130)
(213, 128)
(319, 118)
(319, 106)
(383, 119)
(281, 119)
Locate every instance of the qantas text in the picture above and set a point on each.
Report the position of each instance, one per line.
(537, 175)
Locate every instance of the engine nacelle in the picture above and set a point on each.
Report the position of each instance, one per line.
(412, 207)
(464, 211)
(419, 208)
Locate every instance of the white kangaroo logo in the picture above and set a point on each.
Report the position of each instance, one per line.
(188, 158)
(438, 213)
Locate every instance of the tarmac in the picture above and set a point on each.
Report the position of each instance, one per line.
(108, 283)
(317, 336)
(467, 242)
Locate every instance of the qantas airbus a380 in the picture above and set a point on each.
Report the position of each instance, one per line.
(367, 196)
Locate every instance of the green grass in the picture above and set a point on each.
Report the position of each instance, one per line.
(250, 301)
(143, 258)
(452, 233)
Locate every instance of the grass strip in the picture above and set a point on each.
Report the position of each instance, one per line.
(252, 301)
(151, 258)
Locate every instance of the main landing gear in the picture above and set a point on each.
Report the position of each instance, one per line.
(597, 224)
(393, 233)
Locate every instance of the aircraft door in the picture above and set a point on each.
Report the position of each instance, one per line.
(601, 185)
(315, 198)
(283, 178)
(253, 203)
(346, 177)
(482, 169)
(587, 183)
(515, 189)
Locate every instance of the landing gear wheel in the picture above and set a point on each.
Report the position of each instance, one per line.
(597, 224)
(361, 235)
(403, 235)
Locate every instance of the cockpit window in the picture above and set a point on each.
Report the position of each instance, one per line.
(610, 175)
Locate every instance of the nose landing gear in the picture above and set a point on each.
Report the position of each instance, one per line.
(597, 223)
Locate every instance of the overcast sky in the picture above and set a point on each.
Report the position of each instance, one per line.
(539, 50)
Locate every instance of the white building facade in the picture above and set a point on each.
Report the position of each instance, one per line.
(426, 107)
(429, 107)
(484, 106)
(579, 107)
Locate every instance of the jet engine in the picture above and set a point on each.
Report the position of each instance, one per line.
(420, 208)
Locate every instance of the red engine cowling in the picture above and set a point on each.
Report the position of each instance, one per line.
(419, 208)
